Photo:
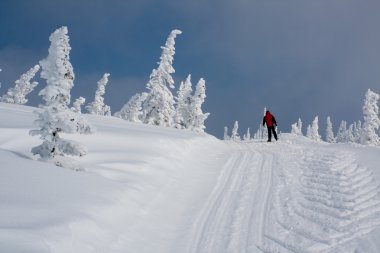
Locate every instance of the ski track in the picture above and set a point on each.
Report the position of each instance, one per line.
(260, 205)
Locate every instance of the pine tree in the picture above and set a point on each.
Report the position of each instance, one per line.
(78, 104)
(371, 120)
(98, 107)
(350, 134)
(299, 126)
(329, 131)
(56, 117)
(23, 86)
(247, 136)
(314, 130)
(234, 135)
(197, 117)
(341, 134)
(158, 107)
(132, 110)
(309, 132)
(294, 129)
(225, 135)
(185, 102)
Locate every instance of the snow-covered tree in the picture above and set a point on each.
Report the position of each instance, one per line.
(131, 111)
(371, 119)
(98, 107)
(158, 107)
(350, 134)
(357, 128)
(314, 130)
(23, 86)
(185, 102)
(247, 136)
(235, 135)
(77, 104)
(329, 131)
(56, 117)
(225, 135)
(309, 132)
(341, 134)
(197, 117)
(299, 125)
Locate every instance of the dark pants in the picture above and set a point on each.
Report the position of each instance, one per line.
(270, 130)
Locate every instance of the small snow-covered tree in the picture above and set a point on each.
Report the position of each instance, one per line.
(23, 86)
(299, 126)
(56, 117)
(350, 134)
(185, 101)
(131, 111)
(294, 129)
(329, 131)
(225, 135)
(357, 131)
(197, 117)
(247, 136)
(235, 135)
(98, 107)
(309, 132)
(78, 104)
(314, 130)
(158, 107)
(341, 134)
(371, 119)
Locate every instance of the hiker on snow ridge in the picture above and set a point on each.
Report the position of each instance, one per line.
(271, 122)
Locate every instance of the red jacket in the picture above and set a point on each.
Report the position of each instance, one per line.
(269, 119)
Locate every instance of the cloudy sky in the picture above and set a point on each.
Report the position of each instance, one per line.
(298, 58)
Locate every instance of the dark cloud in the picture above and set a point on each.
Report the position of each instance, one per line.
(299, 58)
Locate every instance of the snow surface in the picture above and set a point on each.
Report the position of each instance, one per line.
(145, 188)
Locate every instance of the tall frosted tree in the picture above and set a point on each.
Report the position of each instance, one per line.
(297, 128)
(56, 117)
(371, 119)
(158, 107)
(235, 134)
(197, 117)
(309, 132)
(184, 104)
(329, 131)
(23, 86)
(132, 111)
(98, 107)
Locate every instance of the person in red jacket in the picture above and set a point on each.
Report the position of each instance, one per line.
(271, 123)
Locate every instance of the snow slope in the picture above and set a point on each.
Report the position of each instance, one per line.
(150, 189)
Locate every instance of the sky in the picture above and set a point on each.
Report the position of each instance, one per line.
(298, 58)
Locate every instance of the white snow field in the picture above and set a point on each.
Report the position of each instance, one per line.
(144, 189)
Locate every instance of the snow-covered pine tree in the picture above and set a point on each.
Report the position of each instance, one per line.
(350, 134)
(225, 135)
(329, 131)
(132, 111)
(158, 107)
(309, 132)
(98, 107)
(371, 119)
(56, 117)
(184, 104)
(78, 104)
(294, 129)
(23, 86)
(235, 135)
(247, 136)
(357, 131)
(197, 117)
(299, 126)
(341, 134)
(314, 130)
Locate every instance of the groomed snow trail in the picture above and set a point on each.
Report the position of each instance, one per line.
(235, 215)
(281, 198)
